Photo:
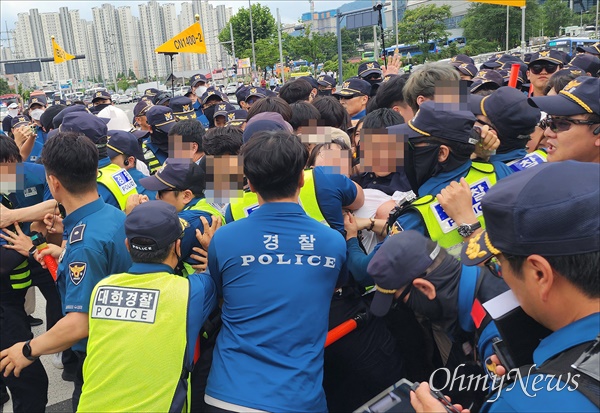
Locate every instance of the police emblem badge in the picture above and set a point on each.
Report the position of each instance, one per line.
(77, 271)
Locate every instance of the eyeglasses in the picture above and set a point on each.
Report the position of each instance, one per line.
(562, 124)
(494, 266)
(537, 68)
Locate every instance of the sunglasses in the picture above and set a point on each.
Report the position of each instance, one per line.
(162, 192)
(494, 266)
(537, 68)
(562, 124)
(350, 97)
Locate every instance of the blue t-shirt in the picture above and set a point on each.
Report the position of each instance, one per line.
(95, 248)
(34, 188)
(333, 191)
(276, 271)
(203, 300)
(360, 115)
(543, 396)
(38, 145)
(189, 239)
(200, 116)
(137, 175)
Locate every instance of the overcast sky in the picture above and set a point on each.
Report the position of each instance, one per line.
(290, 10)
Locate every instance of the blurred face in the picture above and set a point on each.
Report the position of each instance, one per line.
(354, 104)
(181, 149)
(380, 152)
(8, 177)
(335, 157)
(224, 178)
(571, 141)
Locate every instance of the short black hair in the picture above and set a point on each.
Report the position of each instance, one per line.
(461, 150)
(581, 270)
(371, 104)
(151, 257)
(72, 158)
(382, 118)
(274, 162)
(295, 91)
(190, 130)
(225, 140)
(558, 81)
(270, 104)
(9, 151)
(332, 112)
(390, 92)
(302, 112)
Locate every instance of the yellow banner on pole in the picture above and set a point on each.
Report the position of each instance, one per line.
(191, 40)
(60, 55)
(513, 3)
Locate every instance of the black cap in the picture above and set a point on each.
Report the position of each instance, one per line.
(19, 121)
(501, 61)
(506, 76)
(197, 78)
(242, 93)
(313, 82)
(490, 78)
(182, 108)
(157, 221)
(256, 91)
(102, 94)
(123, 143)
(355, 86)
(161, 117)
(222, 108)
(176, 174)
(49, 114)
(58, 119)
(400, 259)
(433, 120)
(151, 92)
(579, 96)
(37, 100)
(236, 117)
(162, 97)
(212, 93)
(462, 58)
(589, 63)
(141, 107)
(326, 80)
(368, 68)
(508, 109)
(466, 68)
(550, 210)
(90, 125)
(552, 56)
(593, 49)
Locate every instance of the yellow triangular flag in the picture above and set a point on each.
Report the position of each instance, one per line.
(191, 40)
(59, 54)
(514, 3)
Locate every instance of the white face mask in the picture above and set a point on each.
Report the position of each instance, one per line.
(36, 114)
(200, 90)
(13, 112)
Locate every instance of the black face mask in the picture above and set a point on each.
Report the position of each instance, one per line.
(96, 109)
(210, 114)
(160, 139)
(421, 163)
(326, 92)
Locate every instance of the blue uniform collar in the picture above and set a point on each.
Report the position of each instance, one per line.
(147, 268)
(580, 331)
(102, 162)
(192, 203)
(74, 217)
(278, 208)
(360, 115)
(429, 187)
(509, 156)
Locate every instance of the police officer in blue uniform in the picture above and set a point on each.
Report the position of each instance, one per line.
(93, 248)
(198, 85)
(37, 106)
(123, 150)
(161, 119)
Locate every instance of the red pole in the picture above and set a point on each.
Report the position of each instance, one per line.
(340, 331)
(514, 75)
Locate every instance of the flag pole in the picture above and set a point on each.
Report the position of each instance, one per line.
(57, 72)
(523, 41)
(507, 25)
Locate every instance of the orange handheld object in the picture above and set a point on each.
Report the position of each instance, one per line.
(40, 244)
(530, 90)
(340, 331)
(514, 75)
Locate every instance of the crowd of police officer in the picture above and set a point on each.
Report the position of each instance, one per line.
(398, 204)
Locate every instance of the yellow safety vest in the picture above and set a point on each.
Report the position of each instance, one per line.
(20, 276)
(441, 228)
(118, 181)
(308, 201)
(151, 159)
(204, 206)
(137, 344)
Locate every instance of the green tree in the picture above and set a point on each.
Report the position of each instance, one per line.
(131, 75)
(123, 84)
(312, 46)
(4, 88)
(487, 22)
(555, 14)
(263, 23)
(425, 23)
(267, 52)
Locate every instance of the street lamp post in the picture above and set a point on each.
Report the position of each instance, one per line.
(252, 38)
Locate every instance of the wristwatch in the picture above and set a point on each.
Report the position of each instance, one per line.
(32, 251)
(466, 230)
(27, 352)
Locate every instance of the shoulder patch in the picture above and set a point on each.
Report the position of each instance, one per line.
(77, 271)
(77, 234)
(396, 228)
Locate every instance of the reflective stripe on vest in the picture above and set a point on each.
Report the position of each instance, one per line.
(151, 159)
(534, 158)
(118, 181)
(441, 228)
(307, 200)
(136, 351)
(20, 276)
